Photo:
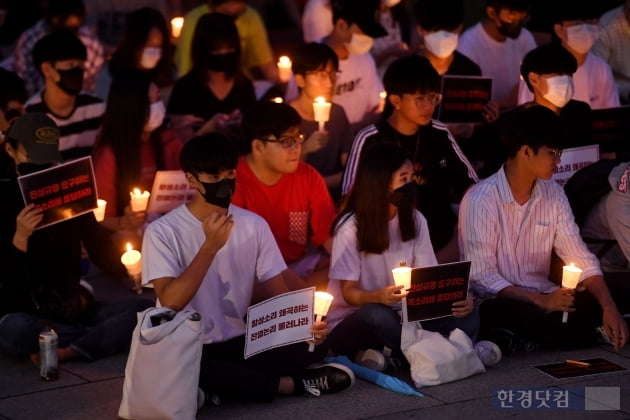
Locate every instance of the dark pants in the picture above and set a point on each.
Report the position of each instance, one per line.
(546, 329)
(375, 325)
(106, 331)
(226, 374)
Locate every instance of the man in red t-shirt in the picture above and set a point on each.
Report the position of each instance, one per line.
(288, 193)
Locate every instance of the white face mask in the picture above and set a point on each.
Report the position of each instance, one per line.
(156, 116)
(390, 3)
(582, 37)
(441, 43)
(359, 43)
(150, 57)
(559, 90)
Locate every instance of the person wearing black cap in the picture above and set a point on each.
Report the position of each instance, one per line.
(355, 25)
(41, 267)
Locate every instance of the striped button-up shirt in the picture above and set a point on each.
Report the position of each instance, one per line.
(511, 244)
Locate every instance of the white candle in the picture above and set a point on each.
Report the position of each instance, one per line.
(139, 200)
(381, 103)
(277, 100)
(402, 277)
(284, 68)
(132, 260)
(570, 279)
(99, 212)
(177, 23)
(321, 307)
(321, 109)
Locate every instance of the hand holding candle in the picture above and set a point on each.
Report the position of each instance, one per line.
(570, 279)
(99, 212)
(177, 23)
(321, 109)
(322, 305)
(132, 260)
(139, 200)
(284, 68)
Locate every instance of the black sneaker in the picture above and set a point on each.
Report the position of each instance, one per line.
(327, 378)
(509, 342)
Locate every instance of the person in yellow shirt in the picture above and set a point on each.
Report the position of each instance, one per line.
(255, 49)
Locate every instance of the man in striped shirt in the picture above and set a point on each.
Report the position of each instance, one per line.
(60, 58)
(509, 225)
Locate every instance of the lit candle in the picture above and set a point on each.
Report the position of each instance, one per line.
(132, 260)
(570, 279)
(284, 68)
(402, 277)
(99, 212)
(139, 200)
(322, 305)
(177, 23)
(321, 109)
(381, 102)
(277, 100)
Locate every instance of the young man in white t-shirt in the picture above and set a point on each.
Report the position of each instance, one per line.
(217, 259)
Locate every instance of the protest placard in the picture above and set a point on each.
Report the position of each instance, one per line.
(279, 321)
(62, 192)
(463, 98)
(170, 190)
(611, 129)
(574, 159)
(434, 289)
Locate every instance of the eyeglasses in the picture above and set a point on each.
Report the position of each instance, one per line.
(555, 153)
(431, 99)
(323, 74)
(288, 142)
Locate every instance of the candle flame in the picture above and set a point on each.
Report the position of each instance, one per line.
(383, 95)
(178, 21)
(137, 191)
(320, 100)
(284, 60)
(572, 265)
(128, 246)
(277, 100)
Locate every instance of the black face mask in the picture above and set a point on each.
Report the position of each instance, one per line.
(405, 196)
(226, 62)
(71, 81)
(510, 30)
(219, 193)
(29, 167)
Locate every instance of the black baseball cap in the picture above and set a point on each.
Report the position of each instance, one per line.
(39, 135)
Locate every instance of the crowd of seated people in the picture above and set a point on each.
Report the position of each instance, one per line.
(285, 197)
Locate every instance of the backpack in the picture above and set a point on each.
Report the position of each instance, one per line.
(587, 186)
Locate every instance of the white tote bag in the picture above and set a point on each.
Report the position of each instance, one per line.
(435, 359)
(162, 372)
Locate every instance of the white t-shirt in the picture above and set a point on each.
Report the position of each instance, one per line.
(249, 255)
(499, 60)
(593, 83)
(372, 271)
(317, 20)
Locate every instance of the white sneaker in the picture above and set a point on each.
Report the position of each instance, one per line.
(488, 352)
(372, 359)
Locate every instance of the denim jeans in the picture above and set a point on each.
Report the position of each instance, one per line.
(107, 331)
(376, 325)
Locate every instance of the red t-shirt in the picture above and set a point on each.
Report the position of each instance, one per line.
(298, 208)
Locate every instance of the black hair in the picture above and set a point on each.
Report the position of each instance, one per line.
(268, 118)
(517, 5)
(432, 15)
(138, 25)
(565, 10)
(533, 126)
(11, 89)
(346, 9)
(369, 199)
(219, 2)
(57, 46)
(312, 57)
(548, 59)
(411, 74)
(213, 31)
(210, 153)
(63, 9)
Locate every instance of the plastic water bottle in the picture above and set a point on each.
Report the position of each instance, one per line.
(49, 364)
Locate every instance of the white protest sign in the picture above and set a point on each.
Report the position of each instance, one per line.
(574, 159)
(170, 190)
(279, 321)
